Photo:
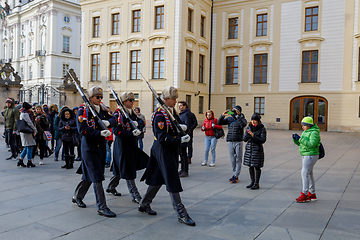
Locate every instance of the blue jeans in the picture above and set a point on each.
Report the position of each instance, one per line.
(141, 144)
(27, 151)
(108, 152)
(58, 146)
(210, 141)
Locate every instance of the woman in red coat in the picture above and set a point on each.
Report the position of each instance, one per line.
(210, 140)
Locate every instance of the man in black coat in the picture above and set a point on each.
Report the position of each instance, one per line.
(194, 124)
(163, 164)
(128, 158)
(234, 138)
(93, 151)
(186, 118)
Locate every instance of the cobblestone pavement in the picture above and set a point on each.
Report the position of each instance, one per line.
(36, 202)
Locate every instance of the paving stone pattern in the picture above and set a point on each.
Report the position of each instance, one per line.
(36, 202)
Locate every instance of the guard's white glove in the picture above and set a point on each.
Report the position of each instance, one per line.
(213, 125)
(136, 132)
(136, 123)
(106, 123)
(203, 128)
(184, 127)
(185, 138)
(105, 133)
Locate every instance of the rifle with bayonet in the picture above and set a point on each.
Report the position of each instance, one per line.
(166, 108)
(88, 104)
(121, 106)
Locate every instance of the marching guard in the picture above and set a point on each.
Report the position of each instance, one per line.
(93, 148)
(163, 164)
(127, 157)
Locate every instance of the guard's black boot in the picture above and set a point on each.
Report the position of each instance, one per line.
(20, 163)
(187, 220)
(78, 202)
(252, 177)
(66, 162)
(257, 179)
(30, 164)
(11, 157)
(113, 192)
(147, 210)
(106, 212)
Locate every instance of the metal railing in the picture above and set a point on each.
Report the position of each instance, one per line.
(40, 53)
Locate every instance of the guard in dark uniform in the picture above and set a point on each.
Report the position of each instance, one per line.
(93, 151)
(163, 164)
(128, 158)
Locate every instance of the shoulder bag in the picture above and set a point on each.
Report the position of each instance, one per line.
(219, 133)
(23, 127)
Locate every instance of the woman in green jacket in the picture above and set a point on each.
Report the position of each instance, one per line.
(309, 143)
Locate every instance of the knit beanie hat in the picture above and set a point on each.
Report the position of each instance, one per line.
(169, 92)
(127, 96)
(307, 121)
(256, 117)
(238, 108)
(26, 106)
(93, 91)
(38, 106)
(8, 100)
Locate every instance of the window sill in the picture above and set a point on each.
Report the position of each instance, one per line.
(135, 80)
(201, 83)
(259, 84)
(230, 84)
(157, 79)
(188, 81)
(115, 80)
(311, 83)
(66, 52)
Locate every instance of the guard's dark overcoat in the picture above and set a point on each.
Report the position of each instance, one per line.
(127, 156)
(93, 145)
(163, 164)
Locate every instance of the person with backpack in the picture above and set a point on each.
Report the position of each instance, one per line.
(308, 143)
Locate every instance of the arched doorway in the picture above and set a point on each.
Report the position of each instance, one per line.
(313, 106)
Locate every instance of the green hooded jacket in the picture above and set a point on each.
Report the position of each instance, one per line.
(11, 115)
(309, 141)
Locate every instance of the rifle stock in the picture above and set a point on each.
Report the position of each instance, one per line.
(88, 105)
(166, 109)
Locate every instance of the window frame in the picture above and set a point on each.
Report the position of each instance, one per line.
(66, 67)
(201, 68)
(232, 70)
(115, 24)
(137, 64)
(161, 70)
(96, 27)
(64, 48)
(311, 16)
(161, 15)
(261, 105)
(202, 26)
(188, 101)
(41, 70)
(22, 51)
(310, 66)
(188, 65)
(260, 67)
(30, 72)
(96, 66)
(201, 104)
(190, 12)
(230, 100)
(233, 28)
(262, 22)
(116, 65)
(138, 22)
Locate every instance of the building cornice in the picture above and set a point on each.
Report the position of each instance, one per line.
(308, 39)
(258, 43)
(158, 37)
(232, 45)
(135, 39)
(90, 44)
(190, 38)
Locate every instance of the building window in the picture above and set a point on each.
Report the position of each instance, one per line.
(358, 67)
(22, 73)
(201, 68)
(65, 69)
(115, 66)
(30, 47)
(311, 18)
(22, 50)
(136, 21)
(233, 28)
(260, 68)
(155, 102)
(95, 67)
(5, 51)
(259, 105)
(188, 65)
(202, 26)
(309, 66)
(159, 17)
(30, 72)
(135, 64)
(201, 104)
(42, 42)
(230, 102)
(232, 65)
(188, 101)
(12, 50)
(41, 70)
(158, 63)
(261, 27)
(96, 25)
(189, 20)
(115, 23)
(66, 44)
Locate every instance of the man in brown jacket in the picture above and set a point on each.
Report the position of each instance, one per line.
(11, 115)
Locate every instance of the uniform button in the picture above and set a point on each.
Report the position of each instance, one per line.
(98, 146)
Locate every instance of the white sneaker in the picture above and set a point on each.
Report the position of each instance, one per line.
(204, 163)
(212, 165)
(41, 162)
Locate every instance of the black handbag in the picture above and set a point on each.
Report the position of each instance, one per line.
(23, 127)
(321, 151)
(219, 133)
(75, 141)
